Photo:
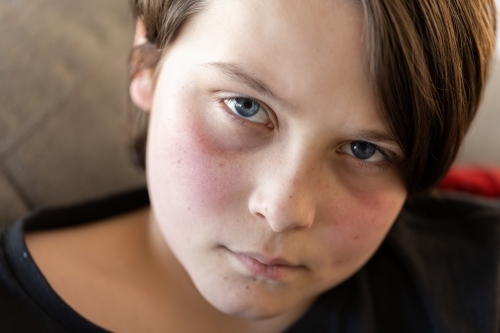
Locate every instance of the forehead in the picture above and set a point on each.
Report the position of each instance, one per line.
(307, 51)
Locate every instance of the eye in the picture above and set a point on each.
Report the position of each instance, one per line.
(247, 108)
(365, 151)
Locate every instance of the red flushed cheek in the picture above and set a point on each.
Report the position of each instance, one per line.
(362, 222)
(377, 211)
(190, 172)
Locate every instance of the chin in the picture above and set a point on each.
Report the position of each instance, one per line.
(252, 312)
(251, 307)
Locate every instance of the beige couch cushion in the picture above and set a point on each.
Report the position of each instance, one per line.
(62, 91)
(482, 144)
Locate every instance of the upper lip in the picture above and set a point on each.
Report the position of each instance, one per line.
(266, 260)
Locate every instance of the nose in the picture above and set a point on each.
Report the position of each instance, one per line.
(285, 198)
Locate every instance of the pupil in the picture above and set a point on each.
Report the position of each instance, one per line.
(363, 150)
(247, 104)
(246, 107)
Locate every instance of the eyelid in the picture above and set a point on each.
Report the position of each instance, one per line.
(390, 147)
(239, 74)
(382, 151)
(378, 137)
(270, 115)
(234, 103)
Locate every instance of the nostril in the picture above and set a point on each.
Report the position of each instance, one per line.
(283, 207)
(259, 215)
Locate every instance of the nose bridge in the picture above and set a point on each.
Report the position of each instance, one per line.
(285, 195)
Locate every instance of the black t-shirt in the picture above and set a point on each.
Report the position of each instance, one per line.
(438, 270)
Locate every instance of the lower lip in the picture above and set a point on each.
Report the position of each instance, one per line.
(272, 272)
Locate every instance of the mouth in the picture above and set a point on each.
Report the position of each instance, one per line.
(270, 268)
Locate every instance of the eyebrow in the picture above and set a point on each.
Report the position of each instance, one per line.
(244, 76)
(376, 136)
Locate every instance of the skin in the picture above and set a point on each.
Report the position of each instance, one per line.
(230, 193)
(284, 188)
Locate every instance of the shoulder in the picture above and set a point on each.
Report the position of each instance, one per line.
(451, 220)
(449, 246)
(49, 260)
(20, 310)
(448, 231)
(453, 207)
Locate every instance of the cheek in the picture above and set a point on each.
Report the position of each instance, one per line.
(187, 172)
(360, 223)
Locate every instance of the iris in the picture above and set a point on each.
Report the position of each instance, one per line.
(246, 107)
(362, 149)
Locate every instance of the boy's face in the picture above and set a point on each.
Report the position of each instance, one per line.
(268, 165)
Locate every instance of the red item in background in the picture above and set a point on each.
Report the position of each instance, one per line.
(482, 180)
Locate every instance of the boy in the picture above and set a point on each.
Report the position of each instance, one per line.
(283, 141)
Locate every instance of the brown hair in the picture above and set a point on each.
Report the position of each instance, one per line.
(429, 60)
(162, 20)
(428, 63)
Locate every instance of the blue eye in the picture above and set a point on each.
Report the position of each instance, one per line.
(363, 150)
(247, 108)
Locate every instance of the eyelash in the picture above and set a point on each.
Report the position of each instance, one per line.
(241, 119)
(369, 166)
(375, 166)
(380, 166)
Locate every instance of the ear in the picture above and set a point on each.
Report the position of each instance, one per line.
(143, 59)
(140, 33)
(141, 89)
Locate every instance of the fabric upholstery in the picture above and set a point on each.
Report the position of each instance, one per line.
(62, 93)
(482, 144)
